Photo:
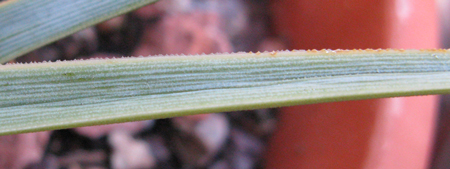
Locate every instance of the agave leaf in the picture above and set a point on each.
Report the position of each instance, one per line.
(44, 96)
(26, 25)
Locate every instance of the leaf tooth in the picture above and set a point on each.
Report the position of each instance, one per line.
(296, 50)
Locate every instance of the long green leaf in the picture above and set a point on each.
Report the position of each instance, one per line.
(44, 96)
(28, 24)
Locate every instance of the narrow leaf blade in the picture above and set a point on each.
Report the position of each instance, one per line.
(26, 25)
(44, 96)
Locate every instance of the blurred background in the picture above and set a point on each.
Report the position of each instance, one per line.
(410, 132)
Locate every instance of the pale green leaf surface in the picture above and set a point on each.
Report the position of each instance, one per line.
(35, 97)
(28, 24)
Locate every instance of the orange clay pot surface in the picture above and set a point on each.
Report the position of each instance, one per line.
(377, 133)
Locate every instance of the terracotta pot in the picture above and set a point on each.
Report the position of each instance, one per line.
(378, 133)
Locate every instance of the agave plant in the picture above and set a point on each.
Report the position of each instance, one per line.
(56, 95)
